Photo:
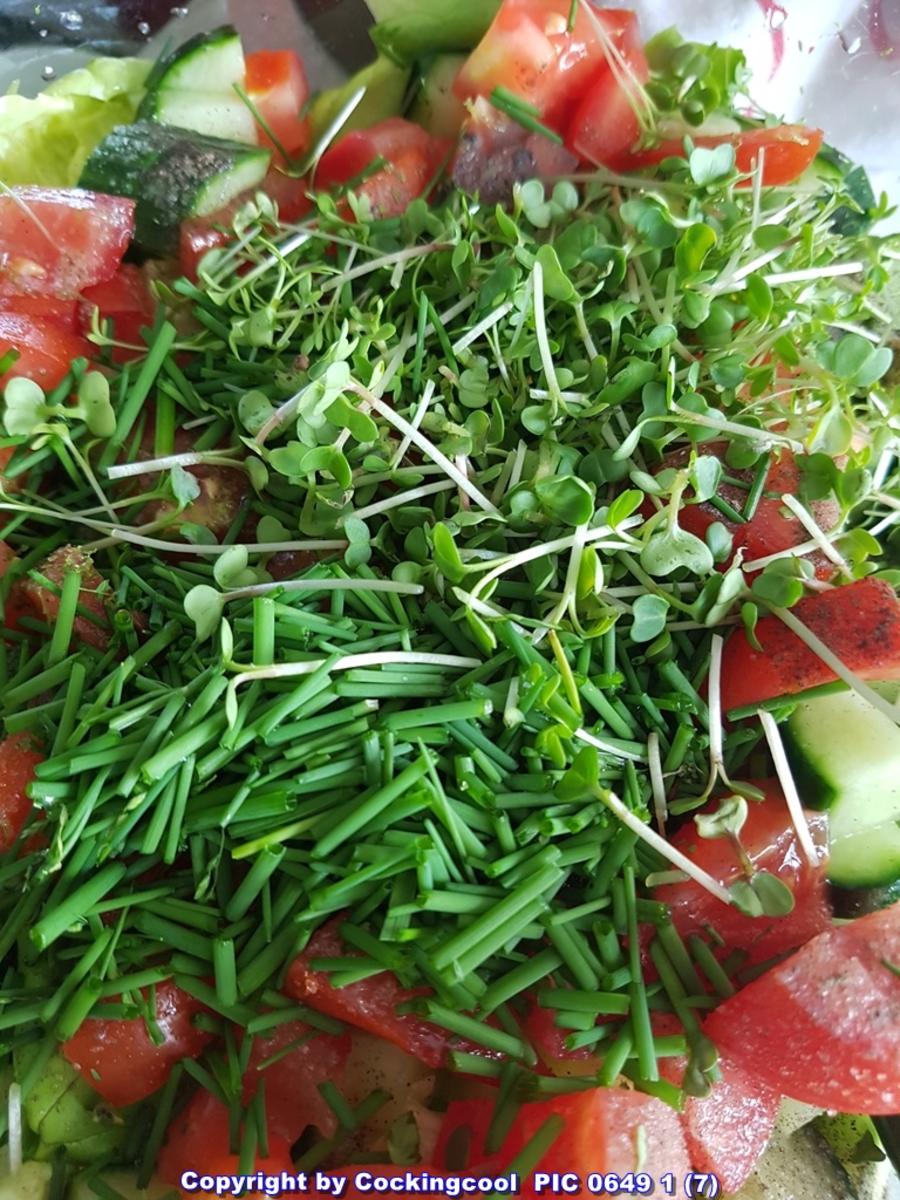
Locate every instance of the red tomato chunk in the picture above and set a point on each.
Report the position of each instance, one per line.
(57, 241)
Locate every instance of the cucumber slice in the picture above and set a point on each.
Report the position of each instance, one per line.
(193, 88)
(173, 174)
(386, 86)
(407, 29)
(845, 756)
(435, 106)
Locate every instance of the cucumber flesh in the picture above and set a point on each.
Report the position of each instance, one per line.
(386, 86)
(194, 88)
(436, 107)
(845, 756)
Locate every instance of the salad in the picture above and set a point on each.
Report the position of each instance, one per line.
(451, 643)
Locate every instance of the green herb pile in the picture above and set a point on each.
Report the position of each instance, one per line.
(460, 721)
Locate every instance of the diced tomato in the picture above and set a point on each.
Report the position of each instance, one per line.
(276, 83)
(91, 596)
(58, 241)
(600, 1133)
(770, 842)
(18, 758)
(202, 234)
(121, 1061)
(859, 622)
(198, 1140)
(412, 159)
(789, 150)
(293, 1100)
(494, 153)
(549, 1040)
(530, 51)
(127, 302)
(773, 528)
(48, 308)
(824, 1026)
(370, 1004)
(605, 124)
(727, 1131)
(45, 351)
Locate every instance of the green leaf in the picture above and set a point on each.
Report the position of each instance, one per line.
(759, 297)
(745, 898)
(254, 410)
(705, 475)
(624, 506)
(446, 555)
(669, 550)
(93, 398)
(185, 486)
(270, 529)
(728, 819)
(582, 778)
(693, 246)
(288, 460)
(557, 284)
(720, 541)
(26, 407)
(774, 588)
(347, 416)
(774, 896)
(359, 545)
(750, 618)
(230, 570)
(203, 605)
(648, 617)
(566, 499)
(768, 237)
(709, 165)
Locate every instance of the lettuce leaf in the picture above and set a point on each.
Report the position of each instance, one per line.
(46, 140)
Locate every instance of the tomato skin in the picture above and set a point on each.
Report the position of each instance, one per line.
(824, 1026)
(198, 1140)
(530, 51)
(859, 622)
(369, 1004)
(413, 158)
(772, 528)
(599, 1135)
(276, 83)
(727, 1131)
(59, 312)
(605, 125)
(45, 350)
(293, 1100)
(790, 149)
(121, 1062)
(18, 758)
(770, 841)
(57, 241)
(127, 301)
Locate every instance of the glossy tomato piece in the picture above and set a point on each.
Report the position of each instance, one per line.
(201, 234)
(276, 83)
(198, 1140)
(18, 758)
(494, 153)
(773, 528)
(122, 1062)
(824, 1026)
(412, 157)
(599, 1133)
(49, 308)
(770, 841)
(727, 1131)
(370, 1004)
(57, 241)
(45, 350)
(308, 1058)
(530, 51)
(127, 302)
(605, 125)
(789, 151)
(92, 597)
(859, 622)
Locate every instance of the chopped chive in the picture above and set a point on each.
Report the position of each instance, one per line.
(615, 1058)
(757, 487)
(710, 966)
(642, 1032)
(727, 510)
(520, 979)
(537, 1147)
(474, 1031)
(678, 956)
(75, 907)
(571, 1000)
(344, 1113)
(225, 971)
